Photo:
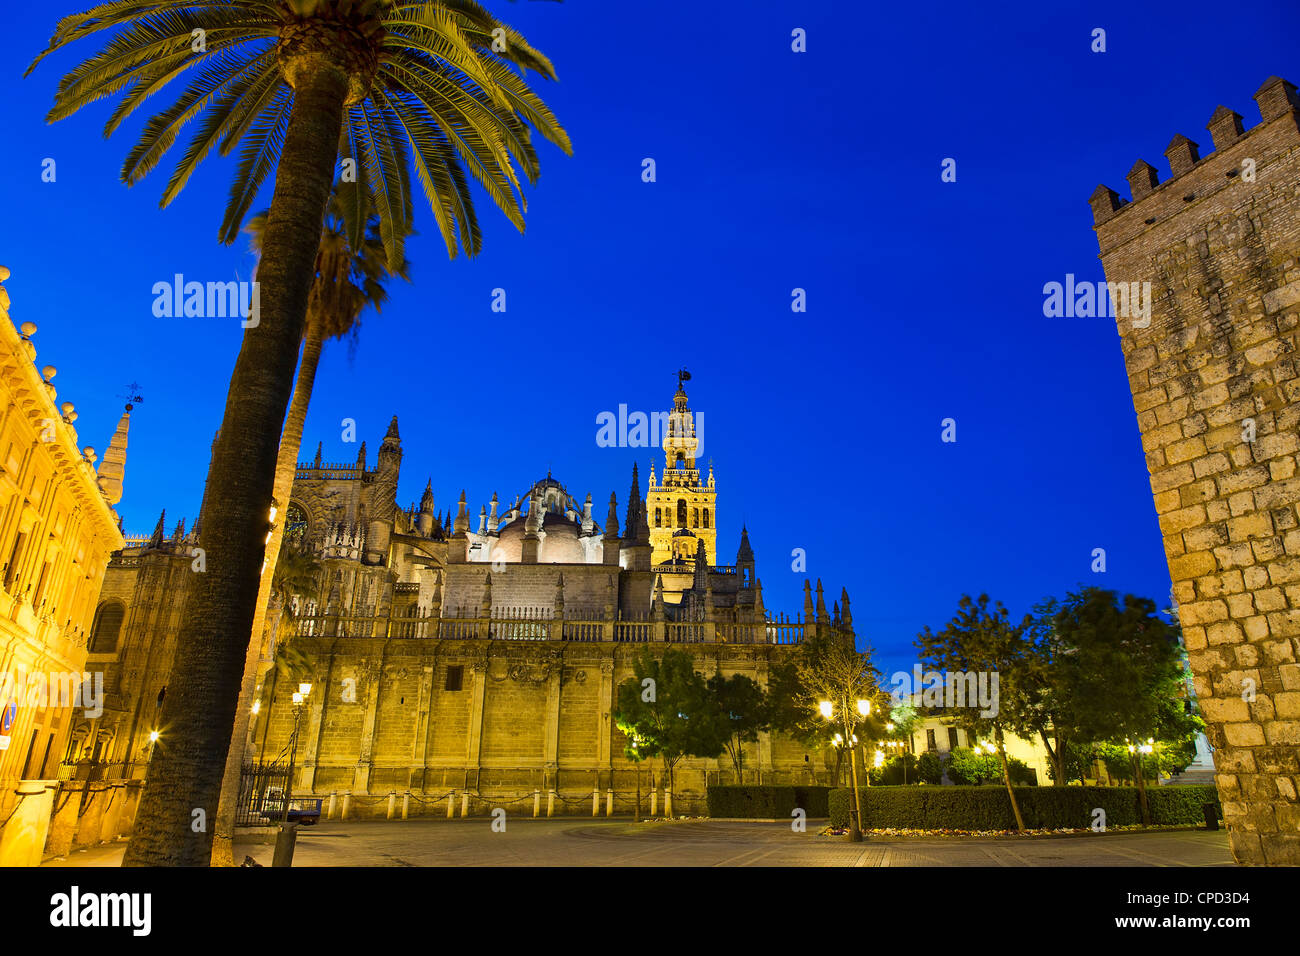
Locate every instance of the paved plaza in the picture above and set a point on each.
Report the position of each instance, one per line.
(576, 842)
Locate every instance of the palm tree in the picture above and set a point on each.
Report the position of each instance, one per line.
(346, 284)
(427, 85)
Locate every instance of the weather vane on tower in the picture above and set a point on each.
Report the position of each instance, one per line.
(132, 396)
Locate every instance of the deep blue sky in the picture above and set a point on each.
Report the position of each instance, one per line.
(776, 170)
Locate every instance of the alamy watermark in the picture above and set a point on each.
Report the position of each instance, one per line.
(642, 430)
(211, 300)
(1087, 300)
(56, 689)
(947, 689)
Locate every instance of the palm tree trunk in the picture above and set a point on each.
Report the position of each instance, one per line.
(180, 799)
(286, 466)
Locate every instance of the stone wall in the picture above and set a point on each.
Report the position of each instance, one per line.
(1214, 382)
(381, 717)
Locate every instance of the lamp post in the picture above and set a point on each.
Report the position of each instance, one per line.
(863, 708)
(288, 835)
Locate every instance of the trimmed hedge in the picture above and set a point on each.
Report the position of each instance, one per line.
(1181, 804)
(1043, 808)
(767, 802)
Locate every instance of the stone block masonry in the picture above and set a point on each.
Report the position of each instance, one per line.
(1215, 386)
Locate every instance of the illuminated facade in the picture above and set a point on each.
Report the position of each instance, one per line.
(57, 529)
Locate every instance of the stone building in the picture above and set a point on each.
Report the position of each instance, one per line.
(1212, 367)
(478, 656)
(57, 529)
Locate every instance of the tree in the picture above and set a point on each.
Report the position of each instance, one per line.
(824, 667)
(840, 678)
(347, 282)
(1115, 675)
(929, 767)
(982, 641)
(295, 83)
(664, 710)
(742, 710)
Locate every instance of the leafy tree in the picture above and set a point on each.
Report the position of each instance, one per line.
(793, 704)
(742, 710)
(1117, 675)
(665, 711)
(929, 767)
(982, 640)
(1093, 650)
(1075, 764)
(299, 85)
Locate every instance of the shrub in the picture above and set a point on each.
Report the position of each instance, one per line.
(929, 767)
(895, 771)
(968, 768)
(767, 802)
(1181, 804)
(989, 808)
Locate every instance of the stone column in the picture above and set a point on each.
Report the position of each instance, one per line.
(420, 741)
(372, 673)
(603, 756)
(474, 749)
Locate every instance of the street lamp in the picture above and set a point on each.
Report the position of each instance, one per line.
(827, 709)
(288, 835)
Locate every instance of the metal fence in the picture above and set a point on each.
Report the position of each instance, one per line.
(261, 792)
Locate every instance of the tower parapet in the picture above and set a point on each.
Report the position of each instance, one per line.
(1211, 366)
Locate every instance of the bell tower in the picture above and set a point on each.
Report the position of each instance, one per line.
(681, 508)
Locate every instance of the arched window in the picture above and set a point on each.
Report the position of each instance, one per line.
(659, 514)
(295, 525)
(108, 625)
(695, 517)
(681, 512)
(706, 517)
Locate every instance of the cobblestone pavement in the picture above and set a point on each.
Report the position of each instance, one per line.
(573, 842)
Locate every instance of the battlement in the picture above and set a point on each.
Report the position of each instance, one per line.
(1195, 178)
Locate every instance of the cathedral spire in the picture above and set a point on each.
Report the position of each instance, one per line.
(701, 566)
(156, 539)
(611, 519)
(633, 505)
(112, 469)
(462, 516)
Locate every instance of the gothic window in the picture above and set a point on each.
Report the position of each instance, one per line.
(706, 517)
(659, 518)
(295, 525)
(695, 517)
(681, 512)
(108, 625)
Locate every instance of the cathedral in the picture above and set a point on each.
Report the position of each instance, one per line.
(459, 654)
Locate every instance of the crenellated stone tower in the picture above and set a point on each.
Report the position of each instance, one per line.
(1213, 371)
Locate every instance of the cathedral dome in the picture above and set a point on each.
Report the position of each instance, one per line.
(559, 546)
